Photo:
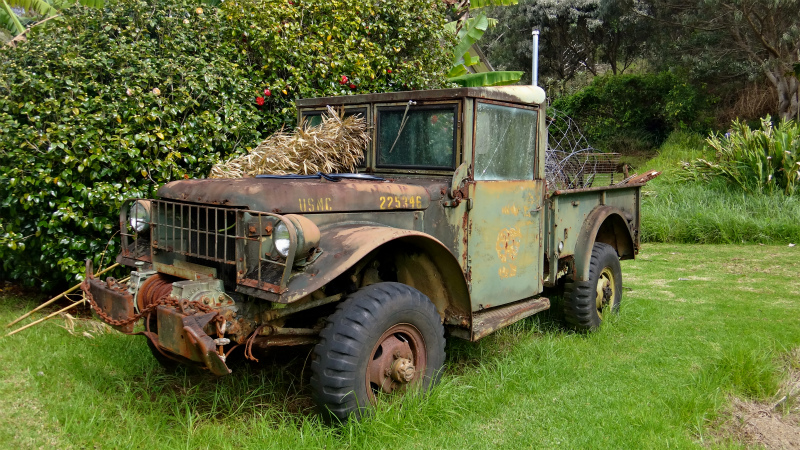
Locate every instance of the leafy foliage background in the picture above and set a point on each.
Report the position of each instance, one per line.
(107, 104)
(637, 112)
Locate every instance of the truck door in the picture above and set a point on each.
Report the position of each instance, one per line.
(504, 246)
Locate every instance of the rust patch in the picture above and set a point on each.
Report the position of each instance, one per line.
(487, 322)
(114, 299)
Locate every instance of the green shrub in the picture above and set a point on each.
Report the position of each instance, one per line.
(636, 112)
(762, 161)
(106, 104)
(675, 209)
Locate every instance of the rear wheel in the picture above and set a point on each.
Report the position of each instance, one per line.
(384, 339)
(588, 303)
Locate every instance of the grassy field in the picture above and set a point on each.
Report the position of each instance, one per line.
(698, 324)
(674, 210)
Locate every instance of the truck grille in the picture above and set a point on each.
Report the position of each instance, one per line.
(195, 230)
(237, 238)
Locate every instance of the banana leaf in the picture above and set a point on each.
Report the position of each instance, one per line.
(475, 4)
(497, 78)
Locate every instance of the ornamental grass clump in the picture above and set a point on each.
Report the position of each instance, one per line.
(757, 161)
(335, 145)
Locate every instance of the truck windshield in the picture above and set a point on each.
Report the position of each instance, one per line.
(426, 139)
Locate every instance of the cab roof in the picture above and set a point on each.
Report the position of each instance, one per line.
(530, 95)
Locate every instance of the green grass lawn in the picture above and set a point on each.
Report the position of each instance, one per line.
(697, 324)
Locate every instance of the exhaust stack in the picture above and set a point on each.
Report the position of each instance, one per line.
(535, 71)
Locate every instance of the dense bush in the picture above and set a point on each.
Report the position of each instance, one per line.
(756, 161)
(106, 104)
(636, 112)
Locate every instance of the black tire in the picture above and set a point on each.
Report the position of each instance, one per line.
(586, 303)
(350, 352)
(169, 365)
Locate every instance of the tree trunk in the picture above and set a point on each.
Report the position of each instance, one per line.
(786, 84)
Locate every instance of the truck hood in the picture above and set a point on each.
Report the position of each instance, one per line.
(285, 196)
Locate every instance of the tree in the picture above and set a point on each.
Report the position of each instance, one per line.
(740, 37)
(577, 36)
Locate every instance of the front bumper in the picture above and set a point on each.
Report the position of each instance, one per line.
(180, 336)
(113, 301)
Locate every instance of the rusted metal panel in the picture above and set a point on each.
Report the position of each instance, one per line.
(300, 196)
(187, 271)
(567, 211)
(114, 299)
(596, 189)
(505, 252)
(489, 321)
(184, 336)
(346, 245)
(171, 335)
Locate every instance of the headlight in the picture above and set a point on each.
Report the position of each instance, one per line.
(139, 216)
(308, 236)
(281, 240)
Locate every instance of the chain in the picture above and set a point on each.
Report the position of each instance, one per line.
(163, 301)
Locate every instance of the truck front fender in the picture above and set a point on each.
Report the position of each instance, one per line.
(606, 224)
(423, 263)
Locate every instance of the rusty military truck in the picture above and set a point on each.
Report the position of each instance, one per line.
(448, 230)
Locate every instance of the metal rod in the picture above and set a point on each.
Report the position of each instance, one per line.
(276, 331)
(45, 318)
(68, 291)
(535, 68)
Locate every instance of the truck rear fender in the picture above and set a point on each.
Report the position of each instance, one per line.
(606, 224)
(421, 262)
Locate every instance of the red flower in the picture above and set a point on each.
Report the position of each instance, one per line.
(260, 101)
(388, 70)
(352, 86)
(343, 80)
(267, 92)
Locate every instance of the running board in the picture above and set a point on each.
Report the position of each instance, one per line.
(491, 320)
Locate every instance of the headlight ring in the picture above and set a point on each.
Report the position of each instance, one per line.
(308, 236)
(139, 216)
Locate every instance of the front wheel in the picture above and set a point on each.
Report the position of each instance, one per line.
(587, 303)
(384, 339)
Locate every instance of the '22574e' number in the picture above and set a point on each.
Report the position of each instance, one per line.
(400, 202)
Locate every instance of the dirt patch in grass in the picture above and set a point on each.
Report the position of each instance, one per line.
(773, 425)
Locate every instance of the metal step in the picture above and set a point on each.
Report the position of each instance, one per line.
(490, 320)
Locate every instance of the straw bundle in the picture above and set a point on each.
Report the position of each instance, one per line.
(336, 145)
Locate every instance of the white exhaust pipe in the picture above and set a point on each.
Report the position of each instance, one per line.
(535, 71)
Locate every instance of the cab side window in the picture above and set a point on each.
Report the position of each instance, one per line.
(505, 142)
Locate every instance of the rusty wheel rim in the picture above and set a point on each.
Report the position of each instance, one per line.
(606, 291)
(397, 361)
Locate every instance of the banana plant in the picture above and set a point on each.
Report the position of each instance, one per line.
(39, 9)
(469, 31)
